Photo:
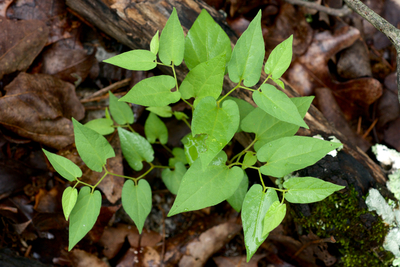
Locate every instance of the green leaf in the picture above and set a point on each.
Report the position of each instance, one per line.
(103, 126)
(63, 166)
(154, 128)
(83, 215)
(280, 58)
(107, 114)
(136, 200)
(278, 104)
(172, 179)
(134, 60)
(172, 41)
(165, 111)
(249, 160)
(244, 107)
(255, 205)
(275, 215)
(120, 111)
(92, 147)
(155, 44)
(205, 40)
(308, 189)
(135, 149)
(180, 115)
(268, 128)
(280, 83)
(154, 91)
(194, 146)
(205, 79)
(218, 123)
(217, 183)
(289, 154)
(68, 200)
(236, 200)
(248, 55)
(179, 156)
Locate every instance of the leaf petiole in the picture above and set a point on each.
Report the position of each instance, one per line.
(234, 88)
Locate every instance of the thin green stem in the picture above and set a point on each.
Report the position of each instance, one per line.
(101, 179)
(162, 64)
(234, 88)
(130, 128)
(269, 76)
(166, 148)
(244, 150)
(144, 174)
(262, 181)
(190, 105)
(187, 123)
(247, 88)
(80, 182)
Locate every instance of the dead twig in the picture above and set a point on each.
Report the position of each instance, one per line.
(344, 11)
(111, 87)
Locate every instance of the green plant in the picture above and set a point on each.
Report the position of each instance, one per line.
(211, 177)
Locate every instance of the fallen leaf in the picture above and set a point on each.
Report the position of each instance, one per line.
(388, 108)
(239, 261)
(70, 64)
(81, 258)
(39, 107)
(354, 61)
(392, 134)
(52, 12)
(20, 43)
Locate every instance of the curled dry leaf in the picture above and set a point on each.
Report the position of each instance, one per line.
(289, 21)
(39, 107)
(20, 43)
(52, 12)
(68, 64)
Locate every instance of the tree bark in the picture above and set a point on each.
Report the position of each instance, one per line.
(136, 23)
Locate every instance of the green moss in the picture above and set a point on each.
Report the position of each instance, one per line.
(339, 216)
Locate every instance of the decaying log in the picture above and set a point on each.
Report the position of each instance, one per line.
(134, 23)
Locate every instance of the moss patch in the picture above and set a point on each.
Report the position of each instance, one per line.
(359, 233)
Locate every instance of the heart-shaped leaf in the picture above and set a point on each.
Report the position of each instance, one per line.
(255, 205)
(134, 60)
(194, 146)
(83, 215)
(63, 166)
(154, 128)
(308, 189)
(136, 200)
(135, 148)
(248, 55)
(154, 92)
(288, 154)
(277, 104)
(172, 41)
(217, 183)
(92, 146)
(120, 111)
(68, 200)
(165, 112)
(249, 160)
(205, 40)
(205, 79)
(268, 128)
(218, 123)
(179, 156)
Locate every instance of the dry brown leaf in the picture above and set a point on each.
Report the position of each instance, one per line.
(209, 242)
(392, 134)
(67, 63)
(354, 62)
(81, 258)
(39, 107)
(52, 12)
(239, 261)
(20, 43)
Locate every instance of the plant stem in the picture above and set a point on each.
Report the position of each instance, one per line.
(101, 179)
(187, 123)
(244, 150)
(234, 88)
(247, 88)
(166, 148)
(262, 181)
